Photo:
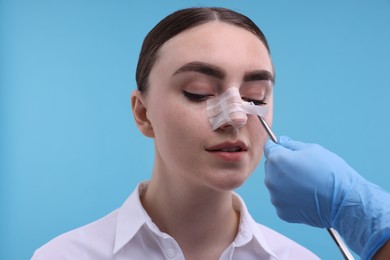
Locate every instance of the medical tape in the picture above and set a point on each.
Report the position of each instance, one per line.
(229, 108)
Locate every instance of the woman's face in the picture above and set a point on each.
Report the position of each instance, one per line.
(198, 64)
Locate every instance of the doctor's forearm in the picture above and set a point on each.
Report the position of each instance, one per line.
(383, 253)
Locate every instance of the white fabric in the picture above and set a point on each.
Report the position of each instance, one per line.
(129, 233)
(229, 108)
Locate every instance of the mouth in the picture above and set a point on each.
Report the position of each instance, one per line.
(236, 146)
(229, 151)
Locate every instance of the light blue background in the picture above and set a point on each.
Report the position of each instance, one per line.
(70, 152)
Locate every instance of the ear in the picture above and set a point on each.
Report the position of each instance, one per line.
(139, 108)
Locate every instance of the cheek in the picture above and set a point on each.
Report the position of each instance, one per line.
(259, 134)
(180, 124)
(186, 116)
(269, 117)
(261, 139)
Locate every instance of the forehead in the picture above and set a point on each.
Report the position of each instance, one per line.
(218, 43)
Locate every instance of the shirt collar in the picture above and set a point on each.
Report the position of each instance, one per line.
(132, 216)
(248, 228)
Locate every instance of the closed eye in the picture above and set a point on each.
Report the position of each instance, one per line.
(196, 97)
(256, 102)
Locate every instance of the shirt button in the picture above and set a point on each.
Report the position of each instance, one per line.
(171, 252)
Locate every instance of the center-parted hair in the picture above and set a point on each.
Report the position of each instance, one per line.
(180, 21)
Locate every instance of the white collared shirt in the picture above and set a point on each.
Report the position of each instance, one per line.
(129, 233)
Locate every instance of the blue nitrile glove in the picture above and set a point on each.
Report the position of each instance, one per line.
(311, 185)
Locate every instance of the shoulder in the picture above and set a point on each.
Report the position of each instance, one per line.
(92, 241)
(284, 247)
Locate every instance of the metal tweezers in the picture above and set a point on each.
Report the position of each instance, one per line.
(333, 233)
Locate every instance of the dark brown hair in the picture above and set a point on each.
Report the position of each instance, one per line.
(180, 21)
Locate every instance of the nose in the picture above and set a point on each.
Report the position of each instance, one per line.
(229, 111)
(237, 119)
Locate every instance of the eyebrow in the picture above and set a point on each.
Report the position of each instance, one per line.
(217, 72)
(204, 68)
(259, 75)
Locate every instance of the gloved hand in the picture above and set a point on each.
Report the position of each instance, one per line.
(311, 185)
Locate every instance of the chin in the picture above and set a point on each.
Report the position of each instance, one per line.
(230, 183)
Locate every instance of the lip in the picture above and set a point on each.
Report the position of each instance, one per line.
(239, 149)
(228, 145)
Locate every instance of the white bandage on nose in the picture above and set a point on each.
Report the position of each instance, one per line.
(229, 108)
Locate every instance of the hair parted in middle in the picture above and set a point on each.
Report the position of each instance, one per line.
(180, 21)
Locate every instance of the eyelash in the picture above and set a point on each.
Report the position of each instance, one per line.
(196, 97)
(256, 101)
(202, 97)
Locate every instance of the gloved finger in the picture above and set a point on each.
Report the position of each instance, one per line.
(269, 147)
(291, 144)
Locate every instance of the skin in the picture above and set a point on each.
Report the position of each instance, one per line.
(383, 253)
(190, 188)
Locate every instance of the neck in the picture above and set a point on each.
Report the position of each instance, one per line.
(206, 214)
